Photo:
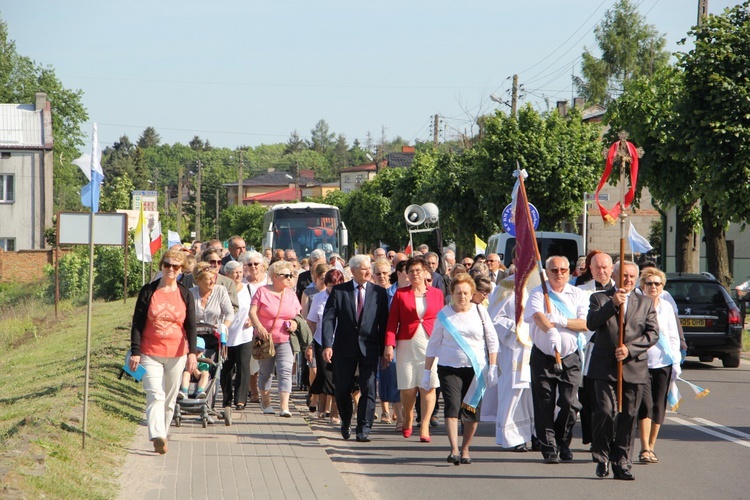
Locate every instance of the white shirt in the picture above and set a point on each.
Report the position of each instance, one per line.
(315, 314)
(469, 325)
(238, 334)
(576, 300)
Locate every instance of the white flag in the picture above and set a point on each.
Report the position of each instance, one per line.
(638, 244)
(142, 240)
(173, 238)
(91, 166)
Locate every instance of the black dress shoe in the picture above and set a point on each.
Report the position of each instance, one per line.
(566, 455)
(362, 438)
(346, 432)
(602, 469)
(521, 448)
(552, 459)
(622, 474)
(454, 459)
(466, 460)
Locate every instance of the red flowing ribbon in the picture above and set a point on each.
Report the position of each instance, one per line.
(610, 216)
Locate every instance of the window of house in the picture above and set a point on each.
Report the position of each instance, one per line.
(346, 178)
(359, 178)
(8, 244)
(7, 190)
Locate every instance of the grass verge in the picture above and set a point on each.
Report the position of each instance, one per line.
(746, 342)
(41, 406)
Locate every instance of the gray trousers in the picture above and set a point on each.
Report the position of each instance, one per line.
(283, 361)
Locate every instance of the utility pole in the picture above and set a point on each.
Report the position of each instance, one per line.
(702, 10)
(179, 201)
(166, 199)
(435, 129)
(217, 213)
(198, 202)
(514, 99)
(240, 186)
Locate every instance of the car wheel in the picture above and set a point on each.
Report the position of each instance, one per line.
(731, 360)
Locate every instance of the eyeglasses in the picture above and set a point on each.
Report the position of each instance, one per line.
(253, 264)
(285, 276)
(653, 283)
(559, 270)
(429, 280)
(174, 267)
(466, 263)
(491, 260)
(214, 262)
(381, 274)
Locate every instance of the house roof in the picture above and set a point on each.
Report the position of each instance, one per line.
(276, 179)
(400, 159)
(592, 112)
(288, 194)
(22, 126)
(368, 167)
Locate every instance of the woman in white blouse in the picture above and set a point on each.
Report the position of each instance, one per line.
(663, 365)
(463, 339)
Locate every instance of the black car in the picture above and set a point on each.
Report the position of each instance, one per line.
(711, 320)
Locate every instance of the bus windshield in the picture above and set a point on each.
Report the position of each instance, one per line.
(306, 228)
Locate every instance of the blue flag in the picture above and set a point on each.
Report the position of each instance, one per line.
(92, 169)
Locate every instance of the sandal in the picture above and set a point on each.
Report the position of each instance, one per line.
(385, 418)
(653, 457)
(336, 420)
(645, 457)
(399, 425)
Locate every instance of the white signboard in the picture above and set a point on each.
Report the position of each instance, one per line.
(109, 229)
(151, 218)
(148, 199)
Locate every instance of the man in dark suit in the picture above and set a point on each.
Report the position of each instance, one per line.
(354, 322)
(613, 438)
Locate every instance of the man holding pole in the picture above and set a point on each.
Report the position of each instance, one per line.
(613, 437)
(555, 328)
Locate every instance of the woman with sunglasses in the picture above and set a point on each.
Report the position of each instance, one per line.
(272, 314)
(163, 341)
(663, 365)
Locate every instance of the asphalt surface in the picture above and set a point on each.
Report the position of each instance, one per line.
(703, 450)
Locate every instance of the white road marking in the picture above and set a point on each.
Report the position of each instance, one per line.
(712, 432)
(722, 428)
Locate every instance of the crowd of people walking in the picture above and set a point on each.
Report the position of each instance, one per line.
(424, 334)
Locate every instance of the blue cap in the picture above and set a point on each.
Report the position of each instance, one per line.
(200, 344)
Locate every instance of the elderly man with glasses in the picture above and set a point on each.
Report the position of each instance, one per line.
(497, 269)
(556, 331)
(236, 248)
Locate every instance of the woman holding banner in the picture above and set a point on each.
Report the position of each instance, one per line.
(463, 340)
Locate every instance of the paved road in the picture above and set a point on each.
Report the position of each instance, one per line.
(704, 449)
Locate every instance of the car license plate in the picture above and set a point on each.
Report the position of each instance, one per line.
(693, 322)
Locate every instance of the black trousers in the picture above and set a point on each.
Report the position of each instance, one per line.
(238, 362)
(550, 389)
(613, 433)
(586, 399)
(343, 380)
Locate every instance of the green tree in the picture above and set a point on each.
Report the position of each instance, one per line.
(247, 221)
(149, 138)
(629, 47)
(20, 78)
(322, 138)
(117, 193)
(295, 144)
(716, 108)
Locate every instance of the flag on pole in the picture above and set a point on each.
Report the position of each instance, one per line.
(610, 216)
(92, 168)
(142, 241)
(479, 245)
(408, 250)
(638, 244)
(155, 238)
(173, 238)
(525, 260)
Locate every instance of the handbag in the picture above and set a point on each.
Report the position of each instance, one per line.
(264, 348)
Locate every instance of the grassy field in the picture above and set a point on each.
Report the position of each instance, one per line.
(41, 404)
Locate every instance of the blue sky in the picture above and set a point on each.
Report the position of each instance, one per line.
(249, 72)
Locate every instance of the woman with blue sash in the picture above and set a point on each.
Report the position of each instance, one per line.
(466, 344)
(663, 365)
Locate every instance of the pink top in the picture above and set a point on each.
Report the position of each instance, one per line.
(268, 307)
(164, 333)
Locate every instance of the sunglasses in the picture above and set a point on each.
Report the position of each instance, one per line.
(174, 267)
(285, 276)
(253, 264)
(214, 262)
(559, 270)
(467, 264)
(653, 283)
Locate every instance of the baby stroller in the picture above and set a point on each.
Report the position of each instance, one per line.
(205, 406)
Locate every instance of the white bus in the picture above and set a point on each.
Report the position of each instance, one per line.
(305, 227)
(568, 244)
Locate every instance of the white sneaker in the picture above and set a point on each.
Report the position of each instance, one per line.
(181, 395)
(201, 395)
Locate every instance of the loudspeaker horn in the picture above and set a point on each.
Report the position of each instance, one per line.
(414, 215)
(432, 213)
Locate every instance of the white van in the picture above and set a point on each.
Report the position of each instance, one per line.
(568, 244)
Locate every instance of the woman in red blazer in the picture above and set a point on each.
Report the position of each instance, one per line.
(410, 322)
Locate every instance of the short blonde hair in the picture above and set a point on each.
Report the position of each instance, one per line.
(201, 270)
(174, 256)
(279, 267)
(652, 271)
(463, 278)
